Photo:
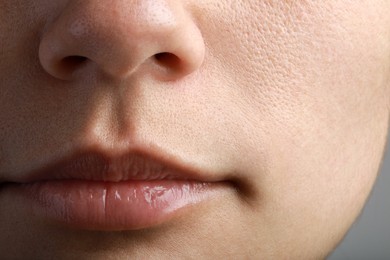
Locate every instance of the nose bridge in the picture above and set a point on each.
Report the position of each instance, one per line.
(149, 16)
(120, 35)
(134, 23)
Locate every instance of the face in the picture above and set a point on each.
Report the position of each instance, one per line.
(279, 107)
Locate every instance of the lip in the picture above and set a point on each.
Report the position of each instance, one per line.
(96, 191)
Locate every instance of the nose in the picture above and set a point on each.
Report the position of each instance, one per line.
(122, 37)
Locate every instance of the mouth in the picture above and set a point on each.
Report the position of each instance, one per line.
(97, 191)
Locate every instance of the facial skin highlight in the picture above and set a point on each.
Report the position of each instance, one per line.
(288, 101)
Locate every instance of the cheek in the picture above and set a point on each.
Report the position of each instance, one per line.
(311, 76)
(313, 82)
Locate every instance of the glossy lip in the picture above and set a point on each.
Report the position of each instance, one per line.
(97, 191)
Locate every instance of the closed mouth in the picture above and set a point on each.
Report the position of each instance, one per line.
(94, 191)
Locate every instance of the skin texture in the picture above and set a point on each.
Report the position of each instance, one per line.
(289, 100)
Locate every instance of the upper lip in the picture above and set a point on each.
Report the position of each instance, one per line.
(101, 166)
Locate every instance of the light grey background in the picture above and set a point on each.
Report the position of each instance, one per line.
(369, 237)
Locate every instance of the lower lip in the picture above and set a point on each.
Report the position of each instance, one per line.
(127, 205)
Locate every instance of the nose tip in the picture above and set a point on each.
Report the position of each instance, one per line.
(118, 39)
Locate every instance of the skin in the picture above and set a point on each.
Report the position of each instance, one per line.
(287, 99)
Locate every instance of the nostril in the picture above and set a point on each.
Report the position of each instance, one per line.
(72, 63)
(167, 60)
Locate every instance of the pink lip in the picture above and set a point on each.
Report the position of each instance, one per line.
(127, 205)
(96, 192)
